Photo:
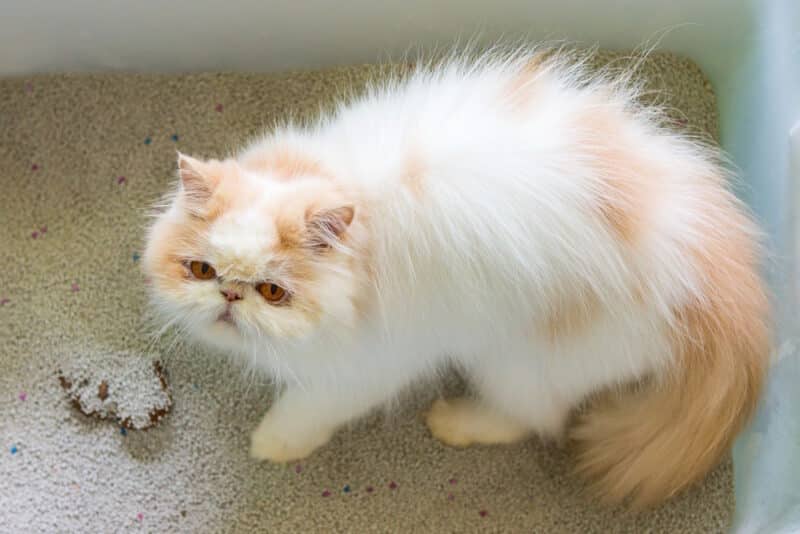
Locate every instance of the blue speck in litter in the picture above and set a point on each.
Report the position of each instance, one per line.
(346, 488)
(135, 256)
(14, 449)
(147, 140)
(174, 137)
(123, 431)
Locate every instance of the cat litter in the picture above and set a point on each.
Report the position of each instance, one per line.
(123, 469)
(125, 387)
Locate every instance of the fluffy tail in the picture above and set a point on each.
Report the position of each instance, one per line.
(652, 441)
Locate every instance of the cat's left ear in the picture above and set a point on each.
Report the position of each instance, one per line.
(328, 226)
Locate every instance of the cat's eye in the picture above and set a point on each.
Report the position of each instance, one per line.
(274, 293)
(202, 271)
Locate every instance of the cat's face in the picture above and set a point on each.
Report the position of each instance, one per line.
(243, 257)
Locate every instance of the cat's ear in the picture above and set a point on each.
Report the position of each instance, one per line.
(327, 226)
(196, 179)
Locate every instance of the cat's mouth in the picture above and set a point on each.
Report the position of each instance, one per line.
(226, 317)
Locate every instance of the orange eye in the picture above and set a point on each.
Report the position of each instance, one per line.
(274, 293)
(202, 271)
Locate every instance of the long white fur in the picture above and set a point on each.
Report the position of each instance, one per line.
(464, 272)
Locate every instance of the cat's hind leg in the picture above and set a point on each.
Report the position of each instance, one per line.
(513, 402)
(463, 421)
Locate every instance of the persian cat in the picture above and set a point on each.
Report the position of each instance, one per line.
(587, 269)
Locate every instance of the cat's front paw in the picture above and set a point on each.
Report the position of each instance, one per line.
(280, 445)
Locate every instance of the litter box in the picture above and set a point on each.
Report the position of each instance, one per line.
(750, 50)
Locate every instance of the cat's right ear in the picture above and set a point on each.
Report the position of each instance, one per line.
(196, 180)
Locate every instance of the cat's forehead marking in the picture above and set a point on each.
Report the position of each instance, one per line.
(241, 241)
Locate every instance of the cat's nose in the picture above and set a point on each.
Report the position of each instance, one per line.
(231, 294)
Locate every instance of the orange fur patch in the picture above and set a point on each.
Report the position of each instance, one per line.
(218, 204)
(572, 313)
(651, 442)
(163, 255)
(414, 175)
(291, 232)
(285, 163)
(626, 181)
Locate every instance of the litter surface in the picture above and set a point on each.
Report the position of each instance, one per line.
(74, 299)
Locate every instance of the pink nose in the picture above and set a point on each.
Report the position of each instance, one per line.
(231, 295)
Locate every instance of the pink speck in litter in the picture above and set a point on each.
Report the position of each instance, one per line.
(22, 396)
(218, 108)
(75, 287)
(139, 517)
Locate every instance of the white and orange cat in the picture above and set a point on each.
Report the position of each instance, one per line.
(512, 215)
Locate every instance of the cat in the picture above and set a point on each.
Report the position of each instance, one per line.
(535, 225)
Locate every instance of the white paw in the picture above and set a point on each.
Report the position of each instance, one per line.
(269, 442)
(447, 423)
(462, 422)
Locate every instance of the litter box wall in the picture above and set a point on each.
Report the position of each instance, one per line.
(759, 97)
(749, 48)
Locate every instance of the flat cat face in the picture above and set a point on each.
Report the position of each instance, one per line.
(242, 257)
